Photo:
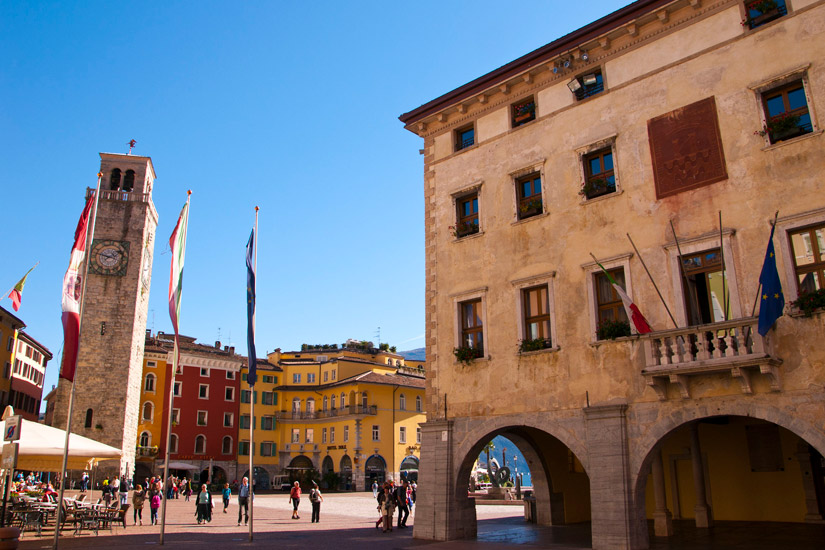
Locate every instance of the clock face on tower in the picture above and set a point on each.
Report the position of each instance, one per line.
(109, 257)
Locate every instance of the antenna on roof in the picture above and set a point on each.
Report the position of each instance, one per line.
(378, 336)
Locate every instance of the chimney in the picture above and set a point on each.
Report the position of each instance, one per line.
(231, 350)
(218, 344)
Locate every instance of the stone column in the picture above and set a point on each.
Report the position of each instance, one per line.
(803, 455)
(662, 519)
(702, 511)
(613, 514)
(440, 514)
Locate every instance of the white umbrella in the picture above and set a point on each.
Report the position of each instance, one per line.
(41, 448)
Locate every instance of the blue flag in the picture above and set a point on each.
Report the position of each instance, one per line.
(252, 376)
(772, 301)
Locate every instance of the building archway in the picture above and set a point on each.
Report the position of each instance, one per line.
(345, 470)
(301, 469)
(375, 470)
(261, 480)
(408, 470)
(725, 468)
(561, 485)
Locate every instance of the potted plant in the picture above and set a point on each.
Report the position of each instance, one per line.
(808, 302)
(760, 12)
(466, 354)
(530, 208)
(610, 329)
(596, 186)
(524, 112)
(781, 127)
(463, 229)
(535, 344)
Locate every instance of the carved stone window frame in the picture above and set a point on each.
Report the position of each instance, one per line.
(695, 245)
(584, 151)
(592, 269)
(784, 225)
(519, 285)
(535, 167)
(764, 86)
(466, 296)
(477, 188)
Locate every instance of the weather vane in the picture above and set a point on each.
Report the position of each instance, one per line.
(131, 145)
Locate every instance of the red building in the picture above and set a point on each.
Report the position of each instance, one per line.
(204, 409)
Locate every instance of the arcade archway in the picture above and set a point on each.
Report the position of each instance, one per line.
(375, 470)
(714, 470)
(561, 486)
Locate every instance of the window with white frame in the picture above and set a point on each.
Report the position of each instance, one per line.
(604, 309)
(203, 391)
(205, 372)
(145, 439)
(149, 386)
(535, 320)
(230, 375)
(243, 448)
(201, 418)
(148, 411)
(704, 278)
(402, 402)
(267, 448)
(175, 416)
(310, 435)
(529, 194)
(346, 434)
(296, 378)
(323, 435)
(226, 445)
(334, 373)
(177, 389)
(418, 435)
(785, 107)
(229, 393)
(151, 364)
(296, 435)
(376, 432)
(332, 434)
(402, 434)
(470, 322)
(228, 419)
(418, 403)
(800, 239)
(200, 444)
(310, 378)
(173, 448)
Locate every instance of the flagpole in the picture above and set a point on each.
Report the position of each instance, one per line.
(9, 291)
(90, 231)
(724, 273)
(644, 265)
(252, 396)
(175, 360)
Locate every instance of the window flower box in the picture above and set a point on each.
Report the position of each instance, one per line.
(610, 330)
(530, 208)
(466, 354)
(763, 11)
(536, 344)
(809, 302)
(596, 187)
(463, 229)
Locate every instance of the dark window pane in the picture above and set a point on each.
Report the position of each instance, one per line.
(775, 106)
(796, 98)
(537, 186)
(595, 166)
(608, 162)
(525, 189)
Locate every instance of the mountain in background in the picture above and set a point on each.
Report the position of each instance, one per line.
(414, 354)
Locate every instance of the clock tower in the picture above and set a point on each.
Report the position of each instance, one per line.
(110, 359)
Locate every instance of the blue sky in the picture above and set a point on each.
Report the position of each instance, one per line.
(288, 106)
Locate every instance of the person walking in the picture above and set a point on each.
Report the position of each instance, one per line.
(401, 500)
(138, 497)
(204, 504)
(154, 504)
(316, 498)
(106, 492)
(244, 492)
(84, 482)
(295, 498)
(187, 488)
(123, 491)
(227, 493)
(375, 490)
(387, 506)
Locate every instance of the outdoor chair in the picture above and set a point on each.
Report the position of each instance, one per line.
(81, 497)
(33, 520)
(121, 514)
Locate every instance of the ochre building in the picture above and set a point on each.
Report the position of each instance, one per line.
(682, 125)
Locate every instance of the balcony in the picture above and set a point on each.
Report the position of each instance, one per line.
(146, 451)
(351, 410)
(729, 347)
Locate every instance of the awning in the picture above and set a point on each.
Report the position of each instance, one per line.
(41, 448)
(179, 466)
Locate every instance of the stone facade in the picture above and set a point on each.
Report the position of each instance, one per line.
(590, 413)
(110, 359)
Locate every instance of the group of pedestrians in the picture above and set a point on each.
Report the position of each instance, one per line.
(391, 497)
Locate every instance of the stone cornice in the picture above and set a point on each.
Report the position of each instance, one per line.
(189, 360)
(500, 87)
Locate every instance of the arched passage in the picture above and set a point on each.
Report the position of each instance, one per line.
(346, 473)
(708, 471)
(561, 486)
(375, 470)
(409, 468)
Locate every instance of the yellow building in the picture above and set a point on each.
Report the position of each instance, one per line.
(9, 325)
(351, 414)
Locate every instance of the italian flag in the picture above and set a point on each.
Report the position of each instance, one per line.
(632, 310)
(16, 294)
(177, 242)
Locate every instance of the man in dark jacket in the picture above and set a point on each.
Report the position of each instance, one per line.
(403, 509)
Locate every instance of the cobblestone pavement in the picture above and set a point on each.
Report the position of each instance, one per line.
(348, 522)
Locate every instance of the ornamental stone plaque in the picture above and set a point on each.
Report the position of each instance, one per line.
(686, 148)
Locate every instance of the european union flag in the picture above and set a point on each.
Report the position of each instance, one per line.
(252, 376)
(772, 301)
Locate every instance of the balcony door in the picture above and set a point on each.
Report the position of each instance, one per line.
(707, 295)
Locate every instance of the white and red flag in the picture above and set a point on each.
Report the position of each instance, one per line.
(630, 308)
(72, 289)
(177, 242)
